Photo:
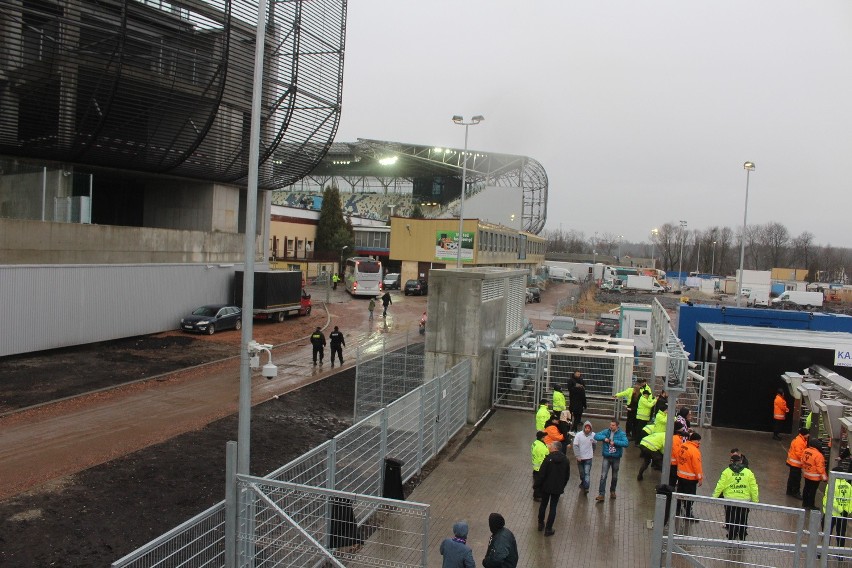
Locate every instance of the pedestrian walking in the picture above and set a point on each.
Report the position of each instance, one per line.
(386, 301)
(614, 441)
(456, 552)
(539, 451)
(690, 474)
(779, 414)
(578, 401)
(841, 508)
(338, 342)
(502, 548)
(552, 479)
(584, 450)
(794, 462)
(737, 483)
(371, 306)
(318, 343)
(813, 470)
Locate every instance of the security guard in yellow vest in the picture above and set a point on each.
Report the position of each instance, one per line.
(542, 415)
(558, 399)
(539, 451)
(841, 509)
(739, 484)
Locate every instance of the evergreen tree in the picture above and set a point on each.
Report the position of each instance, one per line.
(417, 212)
(333, 231)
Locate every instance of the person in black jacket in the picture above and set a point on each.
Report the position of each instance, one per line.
(578, 402)
(502, 548)
(552, 479)
(337, 345)
(318, 342)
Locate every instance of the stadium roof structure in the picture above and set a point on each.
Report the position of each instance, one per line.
(385, 162)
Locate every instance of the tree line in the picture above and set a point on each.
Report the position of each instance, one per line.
(715, 250)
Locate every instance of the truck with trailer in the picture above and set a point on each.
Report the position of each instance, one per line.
(643, 284)
(277, 294)
(798, 299)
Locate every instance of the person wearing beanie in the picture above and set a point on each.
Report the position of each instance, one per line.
(683, 416)
(794, 462)
(779, 414)
(502, 548)
(539, 451)
(737, 483)
(456, 552)
(690, 474)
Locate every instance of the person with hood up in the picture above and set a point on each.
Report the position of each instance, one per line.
(502, 548)
(584, 451)
(456, 552)
(553, 477)
(738, 483)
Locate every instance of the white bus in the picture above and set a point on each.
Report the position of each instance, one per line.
(363, 276)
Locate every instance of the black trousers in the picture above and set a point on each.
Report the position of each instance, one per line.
(686, 486)
(338, 350)
(838, 529)
(794, 480)
(553, 499)
(536, 489)
(777, 427)
(638, 434)
(809, 493)
(577, 414)
(736, 521)
(318, 351)
(649, 456)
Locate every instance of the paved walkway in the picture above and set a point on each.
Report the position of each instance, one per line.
(492, 473)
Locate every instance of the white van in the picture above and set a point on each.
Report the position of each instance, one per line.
(799, 299)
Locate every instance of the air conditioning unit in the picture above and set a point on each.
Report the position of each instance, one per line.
(76, 209)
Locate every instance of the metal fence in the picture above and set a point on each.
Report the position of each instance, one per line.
(296, 526)
(385, 371)
(411, 430)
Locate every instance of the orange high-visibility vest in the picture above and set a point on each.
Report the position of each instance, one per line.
(781, 409)
(689, 462)
(813, 465)
(794, 454)
(677, 444)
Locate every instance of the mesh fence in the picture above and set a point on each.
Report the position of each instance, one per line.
(384, 372)
(294, 525)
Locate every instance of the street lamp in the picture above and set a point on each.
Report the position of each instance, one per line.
(713, 261)
(748, 167)
(620, 238)
(473, 121)
(680, 263)
(654, 235)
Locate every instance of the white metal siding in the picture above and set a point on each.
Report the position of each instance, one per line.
(49, 306)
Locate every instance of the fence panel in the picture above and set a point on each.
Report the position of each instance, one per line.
(298, 526)
(359, 458)
(311, 468)
(382, 376)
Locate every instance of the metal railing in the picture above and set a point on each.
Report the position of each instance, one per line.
(412, 430)
(384, 373)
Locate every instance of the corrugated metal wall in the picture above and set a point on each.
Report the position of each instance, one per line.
(49, 306)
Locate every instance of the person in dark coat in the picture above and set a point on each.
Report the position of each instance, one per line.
(578, 402)
(318, 343)
(338, 342)
(502, 549)
(553, 477)
(456, 552)
(386, 301)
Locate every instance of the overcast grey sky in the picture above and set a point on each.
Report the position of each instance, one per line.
(642, 112)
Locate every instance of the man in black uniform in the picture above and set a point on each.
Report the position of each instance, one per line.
(337, 345)
(318, 341)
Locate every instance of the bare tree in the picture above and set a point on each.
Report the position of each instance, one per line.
(776, 238)
(667, 241)
(802, 253)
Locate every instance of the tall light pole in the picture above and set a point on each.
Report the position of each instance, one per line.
(654, 235)
(473, 121)
(680, 261)
(713, 262)
(620, 238)
(748, 167)
(698, 259)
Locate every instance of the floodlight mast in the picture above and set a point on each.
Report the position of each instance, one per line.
(460, 121)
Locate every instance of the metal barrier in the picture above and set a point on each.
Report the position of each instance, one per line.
(413, 429)
(297, 526)
(384, 372)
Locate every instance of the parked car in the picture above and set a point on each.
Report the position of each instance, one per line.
(562, 325)
(213, 318)
(416, 287)
(533, 294)
(607, 324)
(391, 281)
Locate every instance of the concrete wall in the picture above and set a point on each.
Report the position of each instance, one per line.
(477, 311)
(173, 204)
(36, 242)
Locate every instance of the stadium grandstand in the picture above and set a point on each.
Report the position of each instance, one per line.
(379, 179)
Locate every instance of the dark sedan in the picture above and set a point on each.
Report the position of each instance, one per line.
(213, 318)
(416, 287)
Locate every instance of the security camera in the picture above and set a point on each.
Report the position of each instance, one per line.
(270, 371)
